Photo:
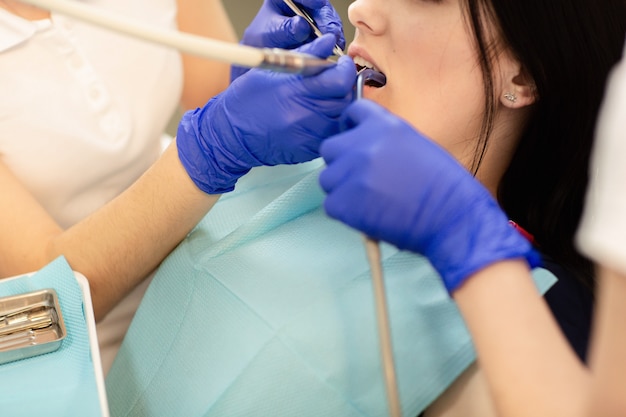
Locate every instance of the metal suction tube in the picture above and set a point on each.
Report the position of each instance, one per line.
(368, 76)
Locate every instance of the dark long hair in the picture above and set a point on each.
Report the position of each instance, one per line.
(568, 48)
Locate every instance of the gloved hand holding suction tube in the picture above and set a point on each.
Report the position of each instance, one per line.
(393, 184)
(275, 26)
(264, 118)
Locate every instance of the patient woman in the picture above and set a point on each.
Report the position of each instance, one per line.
(266, 308)
(433, 206)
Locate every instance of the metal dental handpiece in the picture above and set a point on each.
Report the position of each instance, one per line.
(280, 60)
(302, 13)
(245, 56)
(368, 76)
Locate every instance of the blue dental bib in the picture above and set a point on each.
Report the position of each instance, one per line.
(267, 309)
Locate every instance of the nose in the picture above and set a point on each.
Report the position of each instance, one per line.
(368, 16)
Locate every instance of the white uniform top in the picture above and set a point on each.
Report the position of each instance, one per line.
(602, 232)
(82, 113)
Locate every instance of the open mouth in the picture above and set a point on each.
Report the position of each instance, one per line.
(371, 75)
(368, 77)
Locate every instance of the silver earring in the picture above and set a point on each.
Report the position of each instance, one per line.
(510, 96)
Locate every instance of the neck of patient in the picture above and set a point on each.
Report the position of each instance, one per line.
(503, 141)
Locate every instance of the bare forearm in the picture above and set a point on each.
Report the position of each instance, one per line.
(608, 349)
(116, 247)
(529, 366)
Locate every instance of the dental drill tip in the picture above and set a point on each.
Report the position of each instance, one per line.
(281, 60)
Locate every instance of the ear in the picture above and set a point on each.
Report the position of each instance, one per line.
(518, 88)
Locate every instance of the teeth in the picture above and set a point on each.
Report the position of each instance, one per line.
(362, 62)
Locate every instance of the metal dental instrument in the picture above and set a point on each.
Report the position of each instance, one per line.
(302, 13)
(274, 59)
(31, 324)
(368, 76)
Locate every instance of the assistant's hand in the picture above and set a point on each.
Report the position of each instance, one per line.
(602, 234)
(275, 26)
(393, 184)
(264, 118)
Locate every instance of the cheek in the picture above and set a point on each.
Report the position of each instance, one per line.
(437, 86)
(447, 107)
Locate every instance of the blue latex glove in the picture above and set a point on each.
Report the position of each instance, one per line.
(264, 118)
(275, 26)
(393, 184)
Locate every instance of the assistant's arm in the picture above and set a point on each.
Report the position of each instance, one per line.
(527, 362)
(116, 246)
